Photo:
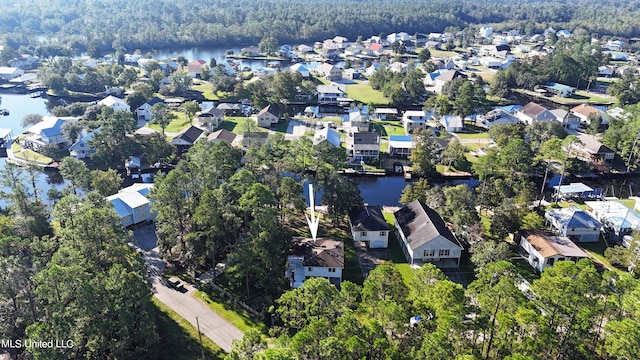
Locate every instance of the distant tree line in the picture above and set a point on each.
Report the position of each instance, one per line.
(84, 25)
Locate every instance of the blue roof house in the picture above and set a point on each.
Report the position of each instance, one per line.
(574, 223)
(400, 145)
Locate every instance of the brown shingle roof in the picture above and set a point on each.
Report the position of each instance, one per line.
(550, 245)
(586, 110)
(323, 252)
(421, 224)
(532, 109)
(190, 134)
(222, 134)
(271, 109)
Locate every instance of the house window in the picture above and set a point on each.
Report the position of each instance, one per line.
(383, 233)
(309, 268)
(332, 270)
(550, 261)
(429, 253)
(443, 252)
(363, 234)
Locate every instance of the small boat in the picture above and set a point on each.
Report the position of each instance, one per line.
(4, 112)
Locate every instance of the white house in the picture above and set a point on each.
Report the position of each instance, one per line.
(363, 145)
(48, 131)
(187, 137)
(329, 94)
(452, 123)
(542, 250)
(614, 216)
(385, 114)
(412, 119)
(584, 112)
(442, 80)
(497, 116)
(566, 118)
(115, 103)
(81, 148)
(573, 223)
(210, 118)
(268, 116)
(132, 204)
(329, 134)
(614, 45)
(304, 72)
(328, 72)
(368, 225)
(533, 112)
(355, 120)
(195, 68)
(485, 31)
(143, 112)
(8, 73)
(320, 258)
(400, 145)
(424, 236)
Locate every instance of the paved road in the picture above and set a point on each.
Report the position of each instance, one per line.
(185, 304)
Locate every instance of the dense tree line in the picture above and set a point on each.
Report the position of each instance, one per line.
(575, 313)
(85, 26)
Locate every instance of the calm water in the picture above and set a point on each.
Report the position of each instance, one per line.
(219, 53)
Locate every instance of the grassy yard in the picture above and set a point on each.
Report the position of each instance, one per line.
(366, 94)
(282, 126)
(176, 125)
(524, 269)
(596, 250)
(178, 339)
(396, 256)
(29, 155)
(207, 91)
(237, 125)
(481, 135)
(387, 128)
(229, 311)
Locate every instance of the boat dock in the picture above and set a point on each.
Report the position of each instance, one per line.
(407, 172)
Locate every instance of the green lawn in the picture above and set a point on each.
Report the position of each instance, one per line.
(596, 250)
(524, 269)
(482, 135)
(237, 125)
(366, 94)
(387, 128)
(282, 126)
(207, 91)
(29, 155)
(178, 339)
(394, 251)
(229, 311)
(176, 125)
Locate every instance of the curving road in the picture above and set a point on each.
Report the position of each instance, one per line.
(184, 303)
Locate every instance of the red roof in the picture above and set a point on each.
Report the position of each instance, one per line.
(375, 47)
(196, 65)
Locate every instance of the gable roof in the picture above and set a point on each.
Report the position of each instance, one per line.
(195, 65)
(49, 126)
(549, 245)
(112, 100)
(365, 137)
(593, 146)
(222, 134)
(532, 110)
(323, 252)
(452, 121)
(328, 134)
(586, 110)
(572, 218)
(271, 109)
(367, 218)
(190, 134)
(212, 112)
(421, 224)
(450, 75)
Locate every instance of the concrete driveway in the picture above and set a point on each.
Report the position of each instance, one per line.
(184, 303)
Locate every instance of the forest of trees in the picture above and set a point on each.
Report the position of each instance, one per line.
(53, 27)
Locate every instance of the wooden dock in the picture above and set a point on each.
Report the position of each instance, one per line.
(407, 172)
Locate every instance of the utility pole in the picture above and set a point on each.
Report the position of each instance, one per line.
(200, 335)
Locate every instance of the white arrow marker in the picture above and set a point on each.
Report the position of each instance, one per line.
(313, 221)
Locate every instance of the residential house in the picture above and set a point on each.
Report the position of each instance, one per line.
(605, 71)
(304, 49)
(143, 112)
(585, 112)
(353, 50)
(115, 103)
(368, 225)
(362, 146)
(356, 121)
(533, 112)
(491, 62)
(566, 118)
(441, 80)
(132, 204)
(399, 67)
(372, 69)
(593, 150)
(230, 108)
(616, 55)
(560, 89)
(254, 139)
(329, 54)
(251, 51)
(574, 223)
(47, 132)
(614, 45)
(328, 134)
(452, 123)
(419, 40)
(485, 31)
(195, 67)
(402, 36)
(385, 114)
(616, 218)
(329, 94)
(424, 236)
(328, 72)
(81, 148)
(132, 58)
(8, 73)
(210, 118)
(23, 61)
(269, 115)
(320, 258)
(412, 119)
(187, 137)
(375, 49)
(497, 116)
(400, 146)
(301, 69)
(352, 74)
(261, 72)
(222, 135)
(430, 79)
(564, 33)
(542, 249)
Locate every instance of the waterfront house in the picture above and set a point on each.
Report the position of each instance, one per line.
(368, 225)
(586, 112)
(210, 118)
(362, 146)
(566, 118)
(269, 115)
(222, 135)
(592, 149)
(143, 112)
(320, 258)
(399, 67)
(542, 249)
(400, 145)
(574, 223)
(250, 51)
(485, 31)
(560, 89)
(115, 103)
(533, 112)
(414, 119)
(47, 132)
(328, 134)
(424, 236)
(356, 122)
(195, 68)
(81, 149)
(329, 94)
(385, 114)
(187, 137)
(132, 204)
(301, 69)
(328, 72)
(616, 218)
(8, 73)
(497, 116)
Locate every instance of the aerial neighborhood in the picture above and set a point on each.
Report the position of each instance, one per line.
(418, 191)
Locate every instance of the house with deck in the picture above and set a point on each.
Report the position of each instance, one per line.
(401, 145)
(143, 112)
(592, 149)
(320, 258)
(82, 149)
(385, 114)
(210, 118)
(414, 119)
(368, 225)
(363, 146)
(542, 249)
(425, 237)
(574, 223)
(328, 72)
(329, 94)
(616, 218)
(47, 132)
